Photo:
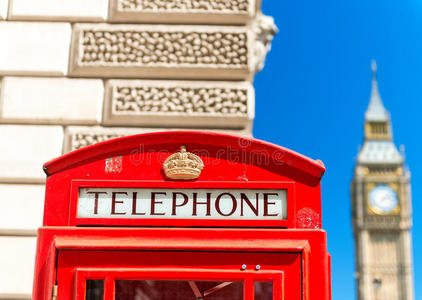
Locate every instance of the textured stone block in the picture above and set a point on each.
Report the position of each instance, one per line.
(154, 51)
(24, 149)
(3, 9)
(51, 100)
(185, 11)
(17, 266)
(33, 48)
(77, 137)
(59, 10)
(179, 103)
(21, 208)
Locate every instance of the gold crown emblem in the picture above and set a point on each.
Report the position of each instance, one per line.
(183, 165)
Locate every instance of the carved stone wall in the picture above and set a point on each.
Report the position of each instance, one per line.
(185, 5)
(81, 140)
(183, 11)
(77, 137)
(179, 103)
(66, 84)
(151, 51)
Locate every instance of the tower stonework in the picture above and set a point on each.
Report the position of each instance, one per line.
(382, 212)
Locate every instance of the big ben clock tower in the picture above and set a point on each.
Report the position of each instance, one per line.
(381, 204)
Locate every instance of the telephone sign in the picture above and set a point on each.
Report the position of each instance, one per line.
(212, 204)
(182, 215)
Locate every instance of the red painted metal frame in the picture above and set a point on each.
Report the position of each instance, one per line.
(310, 244)
(111, 274)
(77, 184)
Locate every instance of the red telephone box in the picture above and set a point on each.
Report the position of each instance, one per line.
(182, 215)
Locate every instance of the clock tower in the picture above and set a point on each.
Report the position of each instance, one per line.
(381, 205)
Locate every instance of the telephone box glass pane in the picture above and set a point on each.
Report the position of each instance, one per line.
(94, 290)
(178, 290)
(263, 290)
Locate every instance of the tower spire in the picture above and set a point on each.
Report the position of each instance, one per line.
(377, 118)
(374, 69)
(376, 111)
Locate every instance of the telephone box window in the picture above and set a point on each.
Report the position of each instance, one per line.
(178, 290)
(94, 290)
(263, 290)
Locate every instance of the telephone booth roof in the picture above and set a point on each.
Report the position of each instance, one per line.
(278, 154)
(229, 162)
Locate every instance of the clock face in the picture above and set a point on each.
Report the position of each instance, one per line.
(383, 198)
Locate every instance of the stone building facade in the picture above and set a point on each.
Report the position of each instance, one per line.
(77, 72)
(382, 211)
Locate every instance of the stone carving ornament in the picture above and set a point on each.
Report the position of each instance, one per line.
(185, 5)
(179, 103)
(80, 140)
(264, 28)
(158, 48)
(172, 51)
(180, 100)
(77, 137)
(233, 12)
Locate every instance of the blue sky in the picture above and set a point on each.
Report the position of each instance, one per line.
(314, 90)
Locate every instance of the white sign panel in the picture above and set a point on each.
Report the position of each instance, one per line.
(211, 204)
